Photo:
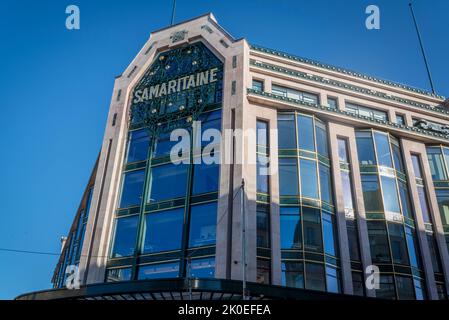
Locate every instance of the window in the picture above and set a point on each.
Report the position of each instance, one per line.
(159, 271)
(329, 234)
(325, 184)
(294, 94)
(397, 157)
(132, 188)
(416, 166)
(332, 280)
(383, 149)
(347, 195)
(286, 131)
(332, 102)
(163, 230)
(412, 247)
(138, 145)
(315, 277)
(398, 243)
(293, 274)
(164, 145)
(210, 120)
(257, 85)
(118, 274)
(386, 288)
(353, 240)
(358, 284)
(443, 204)
(405, 199)
(321, 139)
(291, 229)
(425, 211)
(205, 178)
(391, 201)
(365, 148)
(371, 193)
(203, 224)
(434, 253)
(366, 112)
(263, 227)
(288, 176)
(262, 158)
(125, 237)
(342, 150)
(168, 182)
(405, 287)
(378, 240)
(309, 179)
(306, 136)
(263, 271)
(436, 164)
(313, 240)
(202, 268)
(400, 119)
(420, 291)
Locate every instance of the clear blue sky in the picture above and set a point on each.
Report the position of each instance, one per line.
(55, 88)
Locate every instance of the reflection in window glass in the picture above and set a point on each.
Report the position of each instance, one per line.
(347, 195)
(315, 277)
(398, 243)
(118, 274)
(164, 145)
(203, 224)
(358, 284)
(286, 131)
(365, 148)
(416, 166)
(262, 174)
(391, 201)
(420, 291)
(125, 237)
(309, 179)
(257, 85)
(312, 229)
(424, 204)
(342, 151)
(397, 157)
(263, 271)
(443, 204)
(329, 234)
(383, 149)
(263, 228)
(138, 145)
(405, 288)
(202, 268)
(262, 133)
(306, 133)
(412, 247)
(168, 182)
(159, 271)
(288, 177)
(325, 184)
(353, 240)
(290, 225)
(321, 139)
(163, 230)
(371, 193)
(132, 188)
(386, 288)
(434, 253)
(332, 103)
(205, 178)
(405, 199)
(436, 164)
(378, 240)
(293, 274)
(332, 280)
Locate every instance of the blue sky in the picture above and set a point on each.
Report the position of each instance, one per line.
(55, 88)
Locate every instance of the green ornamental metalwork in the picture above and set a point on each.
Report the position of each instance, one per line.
(176, 88)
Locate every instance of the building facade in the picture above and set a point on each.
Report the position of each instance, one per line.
(358, 175)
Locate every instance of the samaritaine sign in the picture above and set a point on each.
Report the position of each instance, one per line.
(179, 85)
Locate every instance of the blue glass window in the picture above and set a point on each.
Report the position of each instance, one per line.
(436, 164)
(306, 137)
(371, 193)
(332, 280)
(291, 229)
(397, 157)
(203, 224)
(329, 234)
(205, 178)
(288, 176)
(309, 179)
(383, 149)
(286, 131)
(326, 184)
(412, 247)
(405, 200)
(202, 268)
(313, 240)
(118, 274)
(378, 241)
(390, 194)
(168, 181)
(365, 148)
(315, 277)
(125, 237)
(159, 271)
(132, 188)
(262, 174)
(321, 139)
(163, 230)
(293, 274)
(138, 145)
(398, 243)
(257, 85)
(263, 228)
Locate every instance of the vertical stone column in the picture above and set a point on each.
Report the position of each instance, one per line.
(408, 147)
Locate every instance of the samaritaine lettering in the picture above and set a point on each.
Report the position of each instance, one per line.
(173, 86)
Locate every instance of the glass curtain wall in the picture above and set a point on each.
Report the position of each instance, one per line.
(309, 248)
(425, 210)
(390, 222)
